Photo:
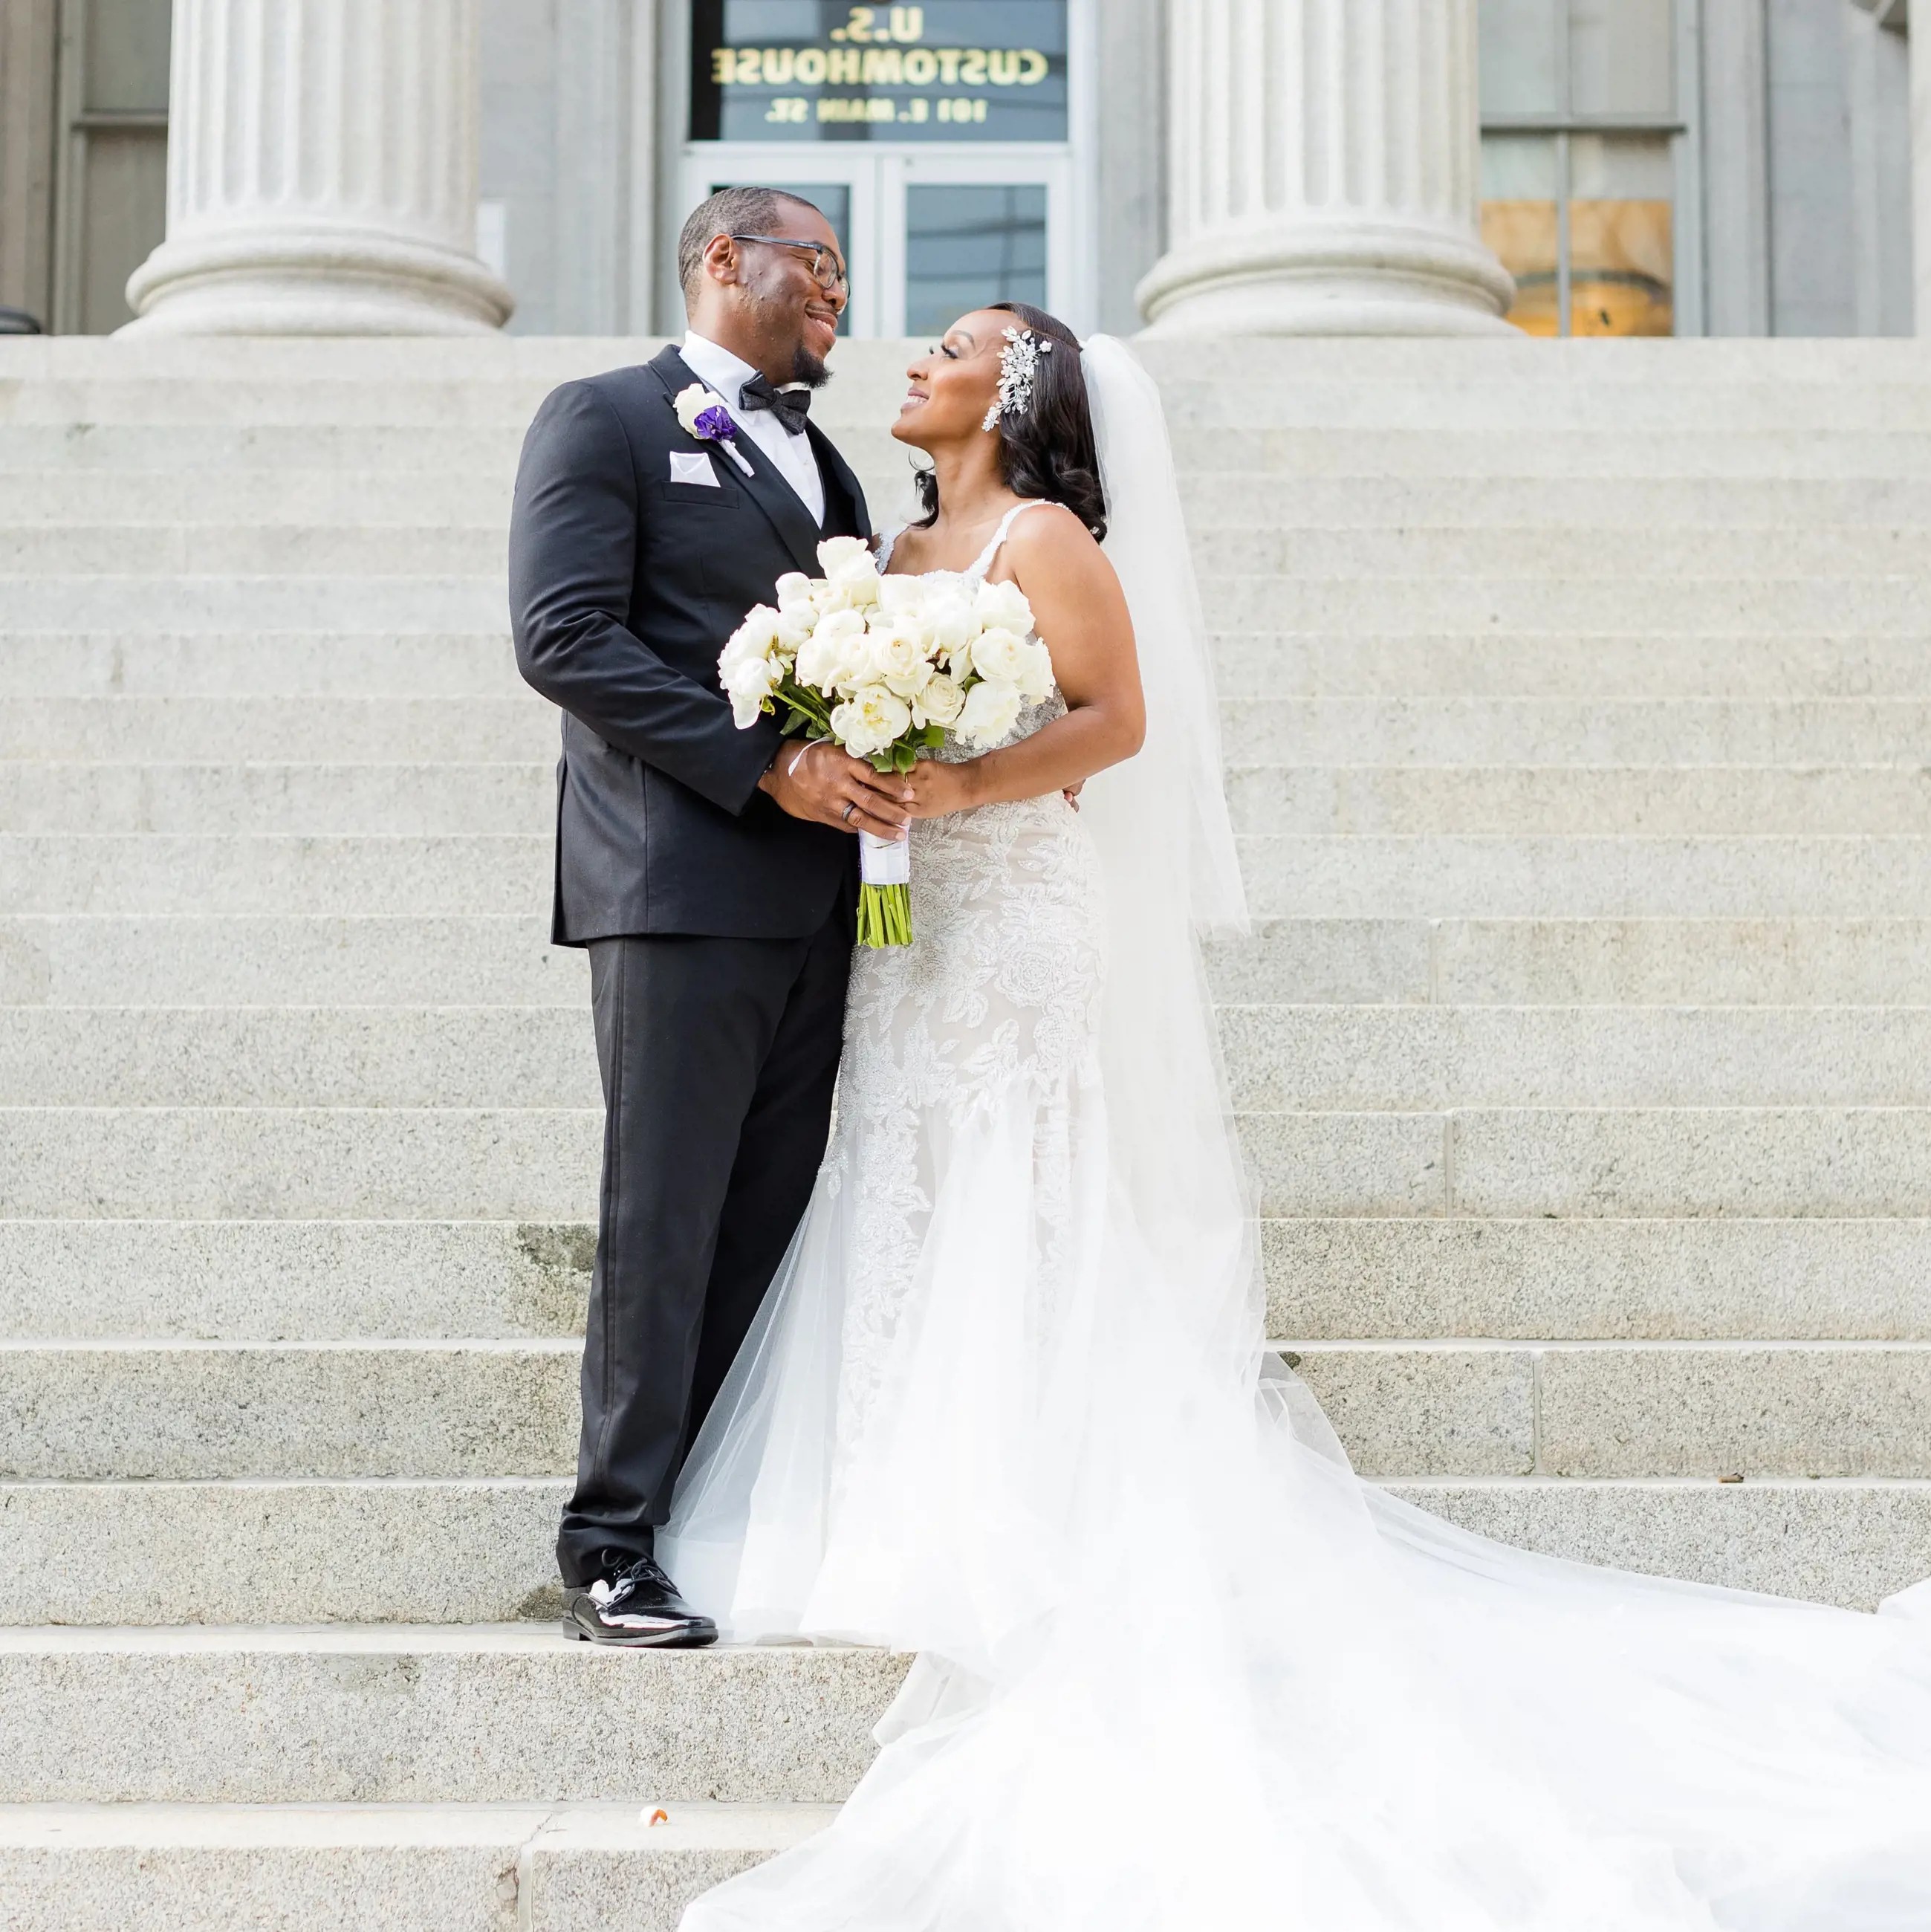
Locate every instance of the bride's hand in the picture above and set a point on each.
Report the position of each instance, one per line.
(937, 788)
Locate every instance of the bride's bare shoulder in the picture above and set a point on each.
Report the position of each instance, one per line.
(1049, 533)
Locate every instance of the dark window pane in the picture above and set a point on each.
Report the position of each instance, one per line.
(967, 246)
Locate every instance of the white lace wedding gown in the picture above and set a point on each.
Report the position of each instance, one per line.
(1180, 1669)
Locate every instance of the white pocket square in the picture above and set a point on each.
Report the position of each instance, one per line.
(692, 466)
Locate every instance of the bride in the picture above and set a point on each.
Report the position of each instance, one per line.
(1007, 1405)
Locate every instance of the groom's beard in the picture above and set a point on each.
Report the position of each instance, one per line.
(809, 369)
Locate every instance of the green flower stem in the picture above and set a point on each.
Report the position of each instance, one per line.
(884, 915)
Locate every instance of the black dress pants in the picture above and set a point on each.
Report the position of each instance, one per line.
(718, 1058)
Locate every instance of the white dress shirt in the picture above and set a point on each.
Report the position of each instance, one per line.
(793, 457)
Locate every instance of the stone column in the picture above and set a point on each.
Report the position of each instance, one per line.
(322, 173)
(1920, 173)
(1323, 179)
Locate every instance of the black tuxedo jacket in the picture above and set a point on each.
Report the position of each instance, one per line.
(623, 586)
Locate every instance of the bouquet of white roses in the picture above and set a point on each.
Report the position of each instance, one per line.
(885, 667)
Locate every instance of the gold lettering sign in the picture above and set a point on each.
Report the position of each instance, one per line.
(755, 76)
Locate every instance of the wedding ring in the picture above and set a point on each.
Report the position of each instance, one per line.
(846, 814)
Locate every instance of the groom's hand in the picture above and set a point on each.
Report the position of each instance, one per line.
(822, 783)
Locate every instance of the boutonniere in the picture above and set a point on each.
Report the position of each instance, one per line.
(703, 413)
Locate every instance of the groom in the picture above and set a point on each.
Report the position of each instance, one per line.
(710, 872)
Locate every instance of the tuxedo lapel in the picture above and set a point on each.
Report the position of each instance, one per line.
(763, 484)
(839, 479)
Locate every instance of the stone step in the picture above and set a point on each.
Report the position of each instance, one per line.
(187, 1412)
(1764, 606)
(1408, 799)
(1490, 876)
(1278, 664)
(1790, 1410)
(172, 605)
(306, 664)
(441, 1056)
(1852, 1543)
(296, 495)
(1325, 1057)
(426, 1714)
(1213, 497)
(1694, 960)
(293, 1280)
(292, 493)
(297, 1164)
(1270, 664)
(449, 549)
(505, 959)
(154, 1553)
(1477, 453)
(1732, 1280)
(177, 1411)
(1330, 1278)
(379, 1868)
(865, 392)
(170, 552)
(1621, 1162)
(519, 727)
(475, 1549)
(1428, 548)
(1346, 876)
(1351, 1058)
(539, 1164)
(325, 800)
(1773, 606)
(148, 873)
(194, 959)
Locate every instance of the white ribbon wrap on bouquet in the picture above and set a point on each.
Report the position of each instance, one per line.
(884, 862)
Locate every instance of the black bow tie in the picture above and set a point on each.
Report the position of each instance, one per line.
(790, 405)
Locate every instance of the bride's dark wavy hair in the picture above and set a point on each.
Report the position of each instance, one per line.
(1050, 452)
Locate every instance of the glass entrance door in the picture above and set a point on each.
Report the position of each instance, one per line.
(936, 139)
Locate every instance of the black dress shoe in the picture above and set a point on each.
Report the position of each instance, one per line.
(637, 1606)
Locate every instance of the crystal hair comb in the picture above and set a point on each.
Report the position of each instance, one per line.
(1018, 365)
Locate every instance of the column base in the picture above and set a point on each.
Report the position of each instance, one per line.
(1330, 277)
(314, 281)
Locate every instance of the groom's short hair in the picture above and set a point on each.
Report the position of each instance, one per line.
(731, 211)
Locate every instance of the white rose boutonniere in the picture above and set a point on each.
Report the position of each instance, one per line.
(703, 414)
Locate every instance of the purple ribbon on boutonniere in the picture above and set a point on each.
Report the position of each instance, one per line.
(703, 414)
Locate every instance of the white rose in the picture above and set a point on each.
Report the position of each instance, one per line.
(692, 403)
(836, 553)
(999, 654)
(749, 682)
(753, 640)
(1036, 673)
(940, 703)
(949, 625)
(794, 591)
(871, 718)
(834, 655)
(1003, 607)
(851, 574)
(990, 711)
(898, 595)
(895, 657)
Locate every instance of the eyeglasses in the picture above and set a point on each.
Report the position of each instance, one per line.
(827, 270)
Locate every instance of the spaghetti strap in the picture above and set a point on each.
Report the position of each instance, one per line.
(984, 562)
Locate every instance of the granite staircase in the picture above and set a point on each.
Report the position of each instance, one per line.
(1578, 731)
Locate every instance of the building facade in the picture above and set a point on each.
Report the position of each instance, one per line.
(1727, 167)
